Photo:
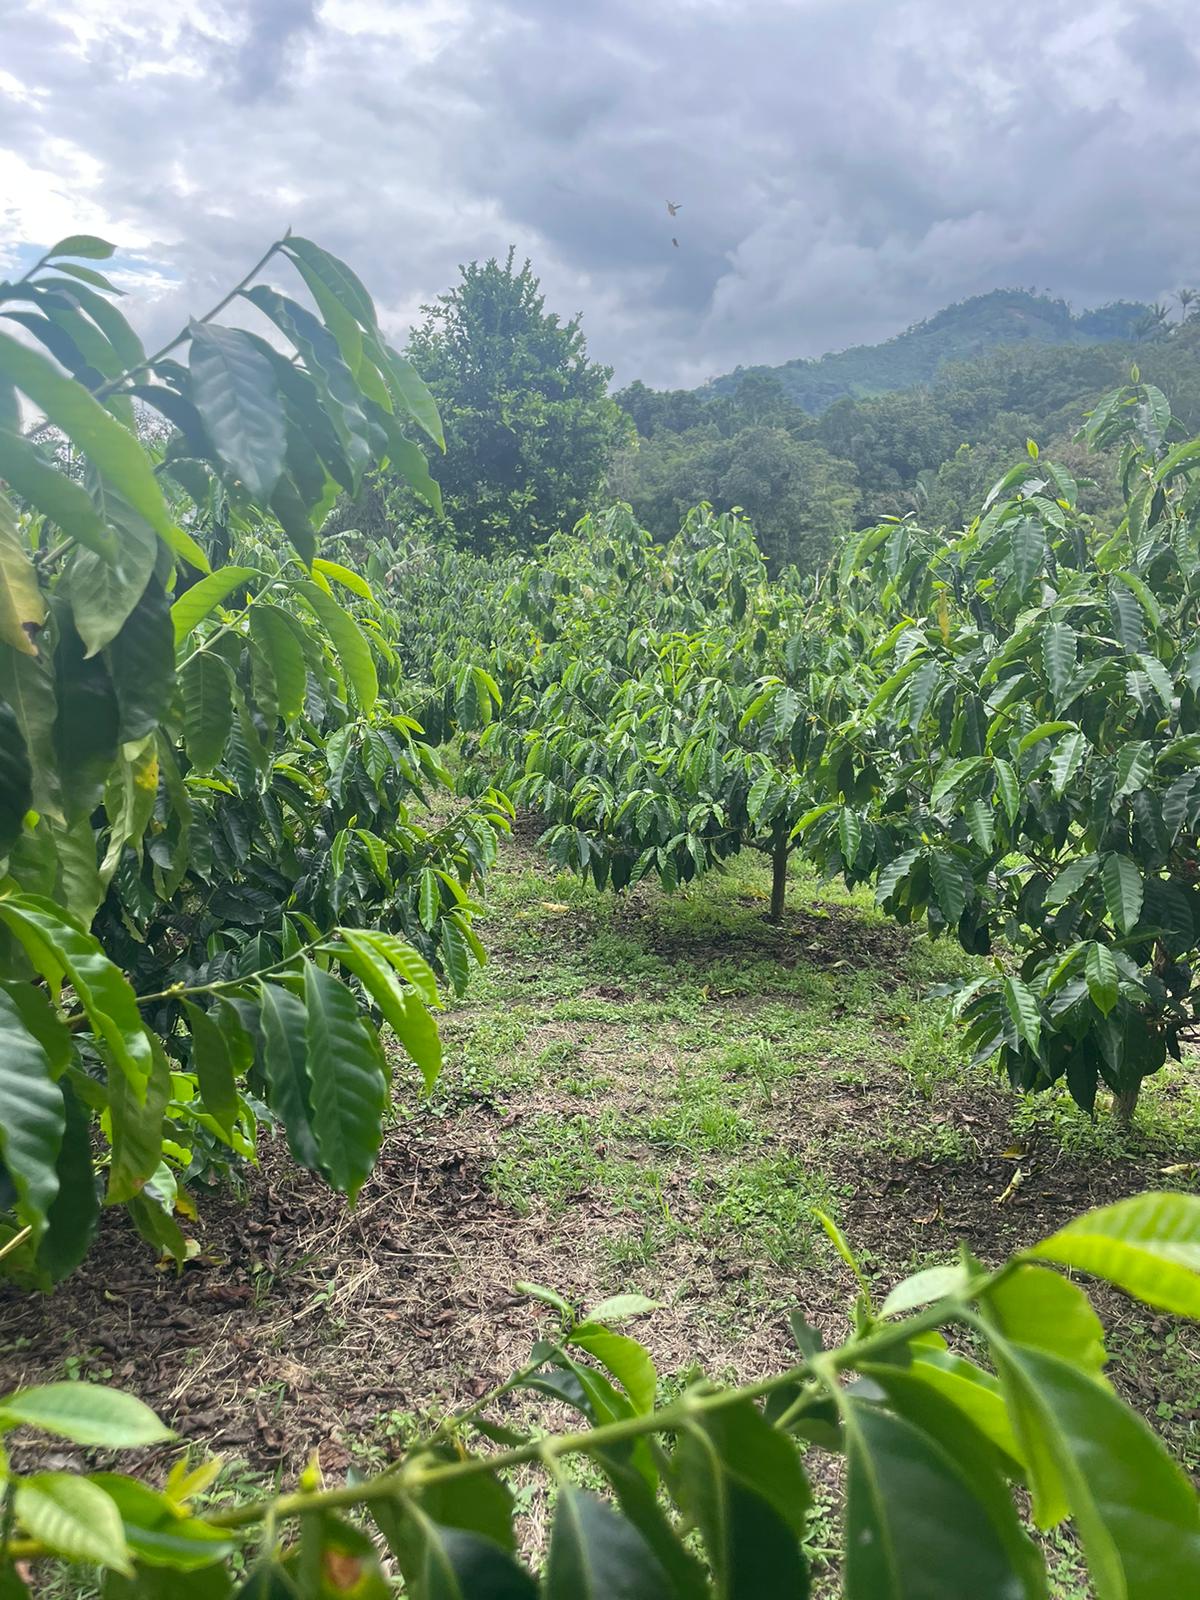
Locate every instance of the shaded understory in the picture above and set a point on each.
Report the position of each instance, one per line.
(652, 1093)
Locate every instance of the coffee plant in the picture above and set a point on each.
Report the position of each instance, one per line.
(707, 1494)
(216, 860)
(997, 728)
(1014, 755)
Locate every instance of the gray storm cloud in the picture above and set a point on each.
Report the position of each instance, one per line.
(843, 168)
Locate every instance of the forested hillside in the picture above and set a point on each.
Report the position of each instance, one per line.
(935, 446)
(956, 333)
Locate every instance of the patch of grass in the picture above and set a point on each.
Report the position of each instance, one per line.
(767, 1206)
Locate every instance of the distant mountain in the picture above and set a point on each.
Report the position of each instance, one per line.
(970, 328)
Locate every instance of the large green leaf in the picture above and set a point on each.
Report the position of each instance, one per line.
(1058, 658)
(213, 1066)
(22, 609)
(137, 1124)
(1038, 1307)
(1148, 1245)
(410, 389)
(1103, 979)
(103, 592)
(75, 1210)
(114, 452)
(913, 1525)
(87, 724)
(595, 1554)
(235, 392)
(85, 1413)
(1123, 891)
(141, 664)
(67, 503)
(59, 948)
(1066, 760)
(16, 777)
(73, 1518)
(194, 604)
(741, 1481)
(624, 1358)
(1134, 1510)
(207, 709)
(31, 1117)
(285, 1061)
(275, 634)
(27, 684)
(348, 1088)
(457, 1564)
(349, 641)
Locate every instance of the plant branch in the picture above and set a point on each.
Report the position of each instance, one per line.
(106, 389)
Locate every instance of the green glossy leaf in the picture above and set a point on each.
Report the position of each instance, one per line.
(1135, 763)
(1135, 1512)
(75, 1211)
(1103, 980)
(1148, 1245)
(348, 1088)
(1038, 1307)
(16, 778)
(1123, 891)
(741, 1481)
(22, 609)
(82, 244)
(59, 948)
(85, 1413)
(213, 1066)
(104, 592)
(595, 1554)
(1066, 760)
(913, 1525)
(196, 603)
(412, 392)
(67, 503)
(285, 1061)
(114, 452)
(623, 1358)
(32, 1117)
(73, 1518)
(207, 709)
(349, 642)
(234, 389)
(275, 634)
(141, 664)
(1058, 657)
(1023, 1009)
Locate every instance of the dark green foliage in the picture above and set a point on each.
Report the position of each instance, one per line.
(529, 425)
(211, 778)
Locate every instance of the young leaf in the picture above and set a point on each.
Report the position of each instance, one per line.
(623, 1358)
(1038, 1307)
(1148, 1245)
(85, 1413)
(73, 1518)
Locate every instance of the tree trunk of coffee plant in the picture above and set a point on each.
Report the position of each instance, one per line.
(779, 864)
(1125, 1104)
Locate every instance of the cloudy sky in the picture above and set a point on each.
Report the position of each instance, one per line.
(843, 166)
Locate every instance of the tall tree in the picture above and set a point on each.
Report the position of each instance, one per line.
(529, 423)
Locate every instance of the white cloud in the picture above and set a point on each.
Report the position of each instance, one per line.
(844, 165)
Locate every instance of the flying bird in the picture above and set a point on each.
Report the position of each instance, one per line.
(675, 242)
(673, 206)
